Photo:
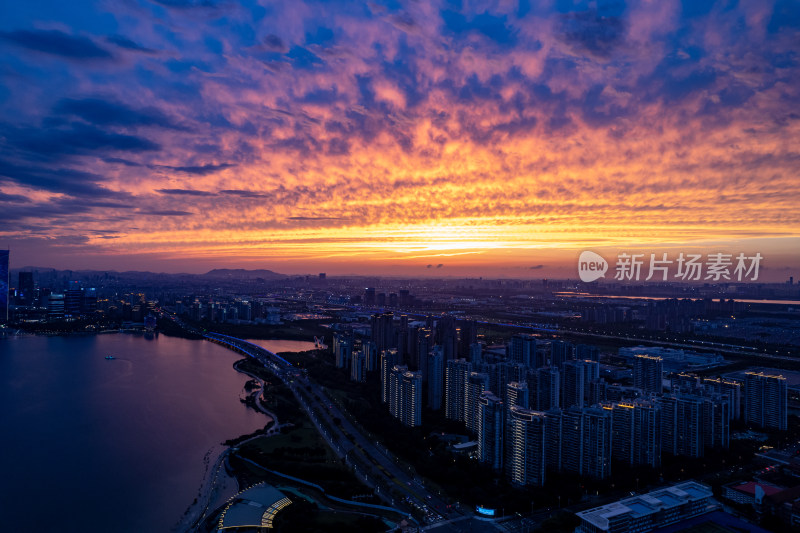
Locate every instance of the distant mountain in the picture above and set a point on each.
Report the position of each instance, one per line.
(231, 274)
(240, 273)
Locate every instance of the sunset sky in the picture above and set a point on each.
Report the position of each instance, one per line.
(491, 138)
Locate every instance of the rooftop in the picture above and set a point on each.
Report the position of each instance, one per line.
(749, 487)
(255, 507)
(645, 504)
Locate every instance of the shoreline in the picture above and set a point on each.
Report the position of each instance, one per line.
(209, 491)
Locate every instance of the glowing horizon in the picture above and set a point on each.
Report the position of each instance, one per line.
(497, 137)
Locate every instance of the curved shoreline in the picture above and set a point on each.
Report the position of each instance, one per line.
(207, 494)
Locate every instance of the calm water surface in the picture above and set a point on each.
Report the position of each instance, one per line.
(89, 444)
(280, 345)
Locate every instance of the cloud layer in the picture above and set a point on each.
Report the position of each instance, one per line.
(398, 132)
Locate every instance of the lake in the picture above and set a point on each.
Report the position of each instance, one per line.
(90, 444)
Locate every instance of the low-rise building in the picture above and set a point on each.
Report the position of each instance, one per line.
(646, 512)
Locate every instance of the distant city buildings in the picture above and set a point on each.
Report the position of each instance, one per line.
(673, 360)
(26, 291)
(536, 407)
(4, 283)
(528, 416)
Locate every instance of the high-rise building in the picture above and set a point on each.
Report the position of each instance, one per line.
(636, 433)
(682, 425)
(647, 441)
(89, 303)
(716, 421)
(467, 336)
(383, 331)
(477, 382)
(498, 375)
(403, 298)
(572, 440)
(647, 371)
(423, 346)
(55, 305)
(591, 375)
(546, 389)
(553, 422)
(400, 341)
(517, 394)
(729, 388)
(73, 299)
(405, 395)
(514, 372)
(522, 350)
(596, 391)
(456, 373)
(447, 336)
(412, 349)
(623, 434)
(560, 352)
(490, 430)
(685, 382)
(596, 442)
(394, 389)
(435, 375)
(585, 441)
(387, 360)
(693, 423)
(369, 296)
(587, 352)
(411, 399)
(4, 281)
(342, 349)
(358, 366)
(370, 350)
(573, 379)
(527, 459)
(765, 400)
(476, 354)
(25, 289)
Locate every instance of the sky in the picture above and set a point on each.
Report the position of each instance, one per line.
(398, 138)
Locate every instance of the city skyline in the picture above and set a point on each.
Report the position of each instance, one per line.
(413, 139)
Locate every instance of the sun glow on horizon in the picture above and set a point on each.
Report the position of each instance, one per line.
(408, 133)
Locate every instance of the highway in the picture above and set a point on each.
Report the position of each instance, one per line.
(370, 462)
